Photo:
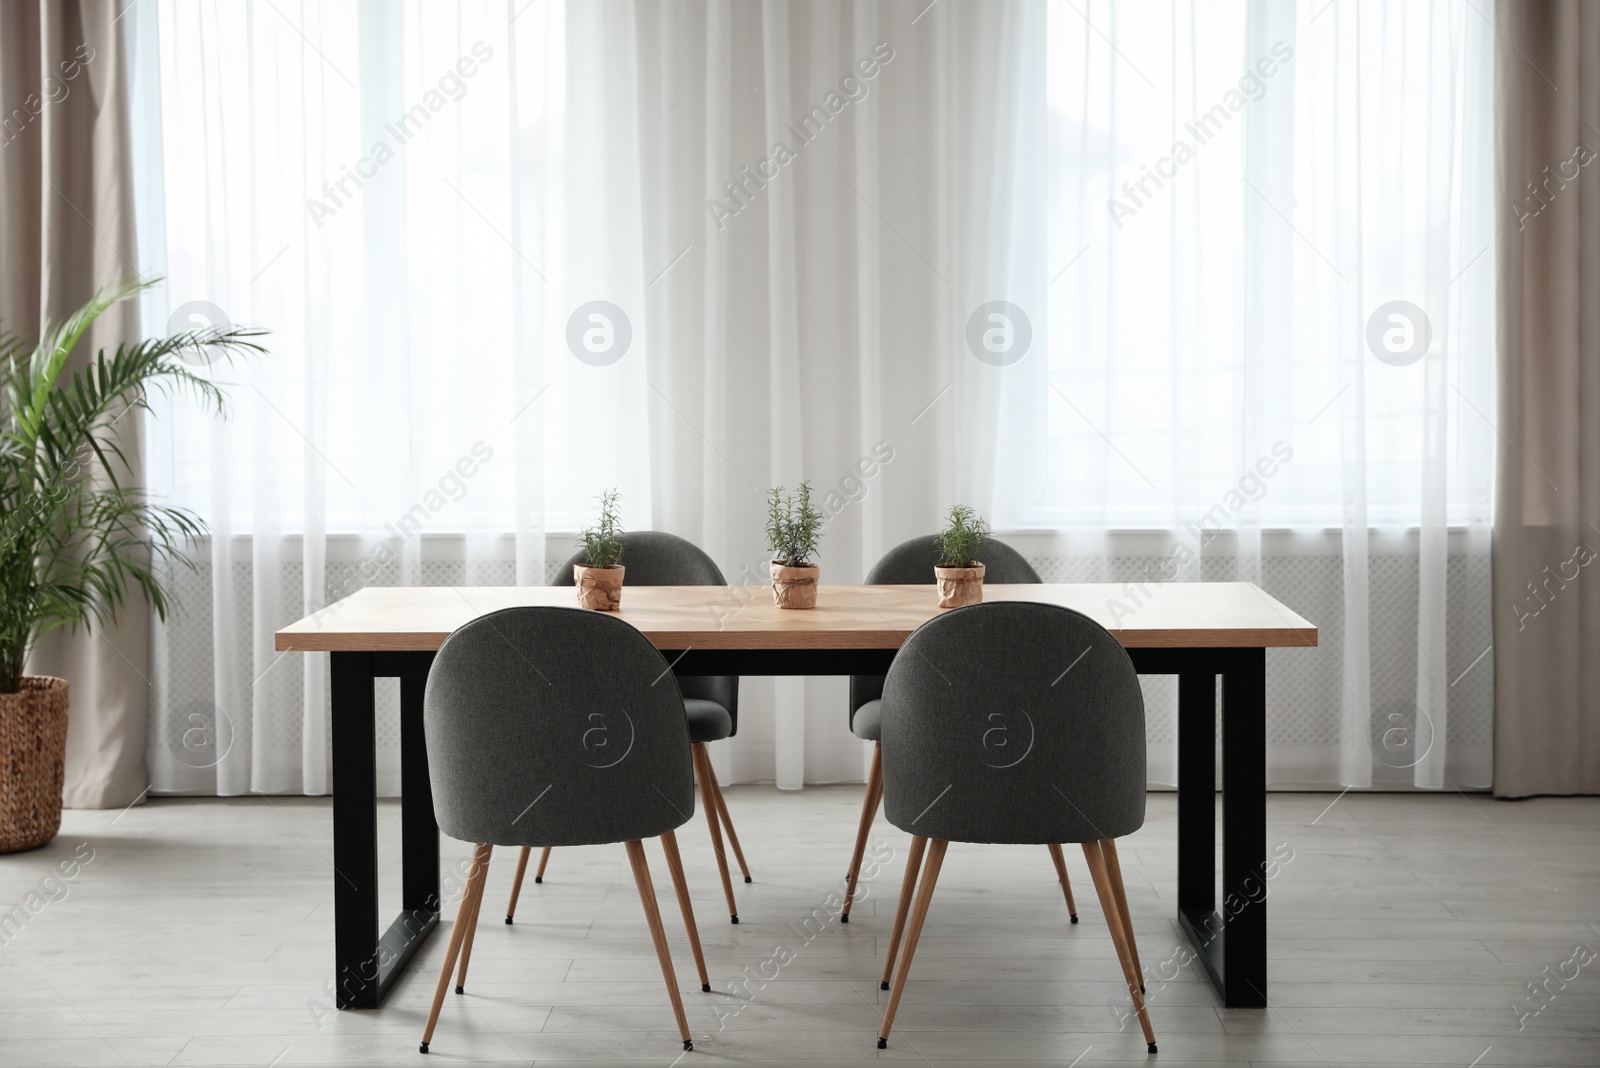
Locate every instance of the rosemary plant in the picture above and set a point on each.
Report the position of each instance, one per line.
(602, 545)
(961, 537)
(794, 527)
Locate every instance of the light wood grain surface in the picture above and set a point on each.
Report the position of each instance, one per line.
(1176, 615)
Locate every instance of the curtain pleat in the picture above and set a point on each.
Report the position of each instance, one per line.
(1547, 508)
(66, 198)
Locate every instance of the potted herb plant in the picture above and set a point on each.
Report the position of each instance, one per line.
(959, 572)
(793, 530)
(74, 540)
(599, 577)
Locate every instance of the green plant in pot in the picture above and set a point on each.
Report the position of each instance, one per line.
(959, 572)
(794, 528)
(76, 543)
(599, 577)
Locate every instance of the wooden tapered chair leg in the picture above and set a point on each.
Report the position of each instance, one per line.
(658, 935)
(727, 824)
(1066, 884)
(708, 801)
(476, 877)
(869, 812)
(669, 846)
(1114, 869)
(1093, 852)
(930, 878)
(472, 929)
(522, 867)
(908, 887)
(516, 882)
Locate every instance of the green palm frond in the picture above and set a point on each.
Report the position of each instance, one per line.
(33, 389)
(75, 542)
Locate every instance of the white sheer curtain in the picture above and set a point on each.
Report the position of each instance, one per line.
(820, 245)
(866, 244)
(436, 208)
(1238, 193)
(388, 188)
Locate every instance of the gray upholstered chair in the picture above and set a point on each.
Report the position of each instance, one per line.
(911, 564)
(559, 727)
(655, 558)
(1013, 722)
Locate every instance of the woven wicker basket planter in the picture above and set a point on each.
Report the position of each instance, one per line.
(33, 750)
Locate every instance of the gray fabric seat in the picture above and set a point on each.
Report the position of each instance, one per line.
(524, 698)
(557, 726)
(711, 702)
(1021, 723)
(708, 721)
(911, 564)
(656, 558)
(981, 710)
(866, 722)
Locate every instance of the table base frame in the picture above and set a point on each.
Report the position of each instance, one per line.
(1231, 945)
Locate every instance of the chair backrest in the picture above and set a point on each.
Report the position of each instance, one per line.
(656, 558)
(911, 564)
(555, 727)
(1013, 722)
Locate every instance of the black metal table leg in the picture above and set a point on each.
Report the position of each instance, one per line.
(1244, 827)
(355, 833)
(366, 962)
(1197, 792)
(418, 830)
(1231, 941)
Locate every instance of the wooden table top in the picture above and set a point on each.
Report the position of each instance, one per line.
(1176, 615)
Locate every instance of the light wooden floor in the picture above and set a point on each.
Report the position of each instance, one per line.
(1404, 930)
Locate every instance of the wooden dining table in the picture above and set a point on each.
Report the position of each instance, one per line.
(1199, 631)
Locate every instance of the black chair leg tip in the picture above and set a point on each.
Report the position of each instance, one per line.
(460, 991)
(705, 988)
(1074, 917)
(735, 917)
(1141, 988)
(508, 921)
(538, 878)
(1152, 1047)
(844, 917)
(883, 985)
(883, 1043)
(688, 1046)
(748, 879)
(423, 1048)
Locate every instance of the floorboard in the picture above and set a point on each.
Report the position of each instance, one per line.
(1406, 929)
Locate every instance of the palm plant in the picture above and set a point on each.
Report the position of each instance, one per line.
(963, 534)
(74, 543)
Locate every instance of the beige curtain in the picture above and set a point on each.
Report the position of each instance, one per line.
(1547, 512)
(67, 209)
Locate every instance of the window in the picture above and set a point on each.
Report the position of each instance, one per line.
(1219, 240)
